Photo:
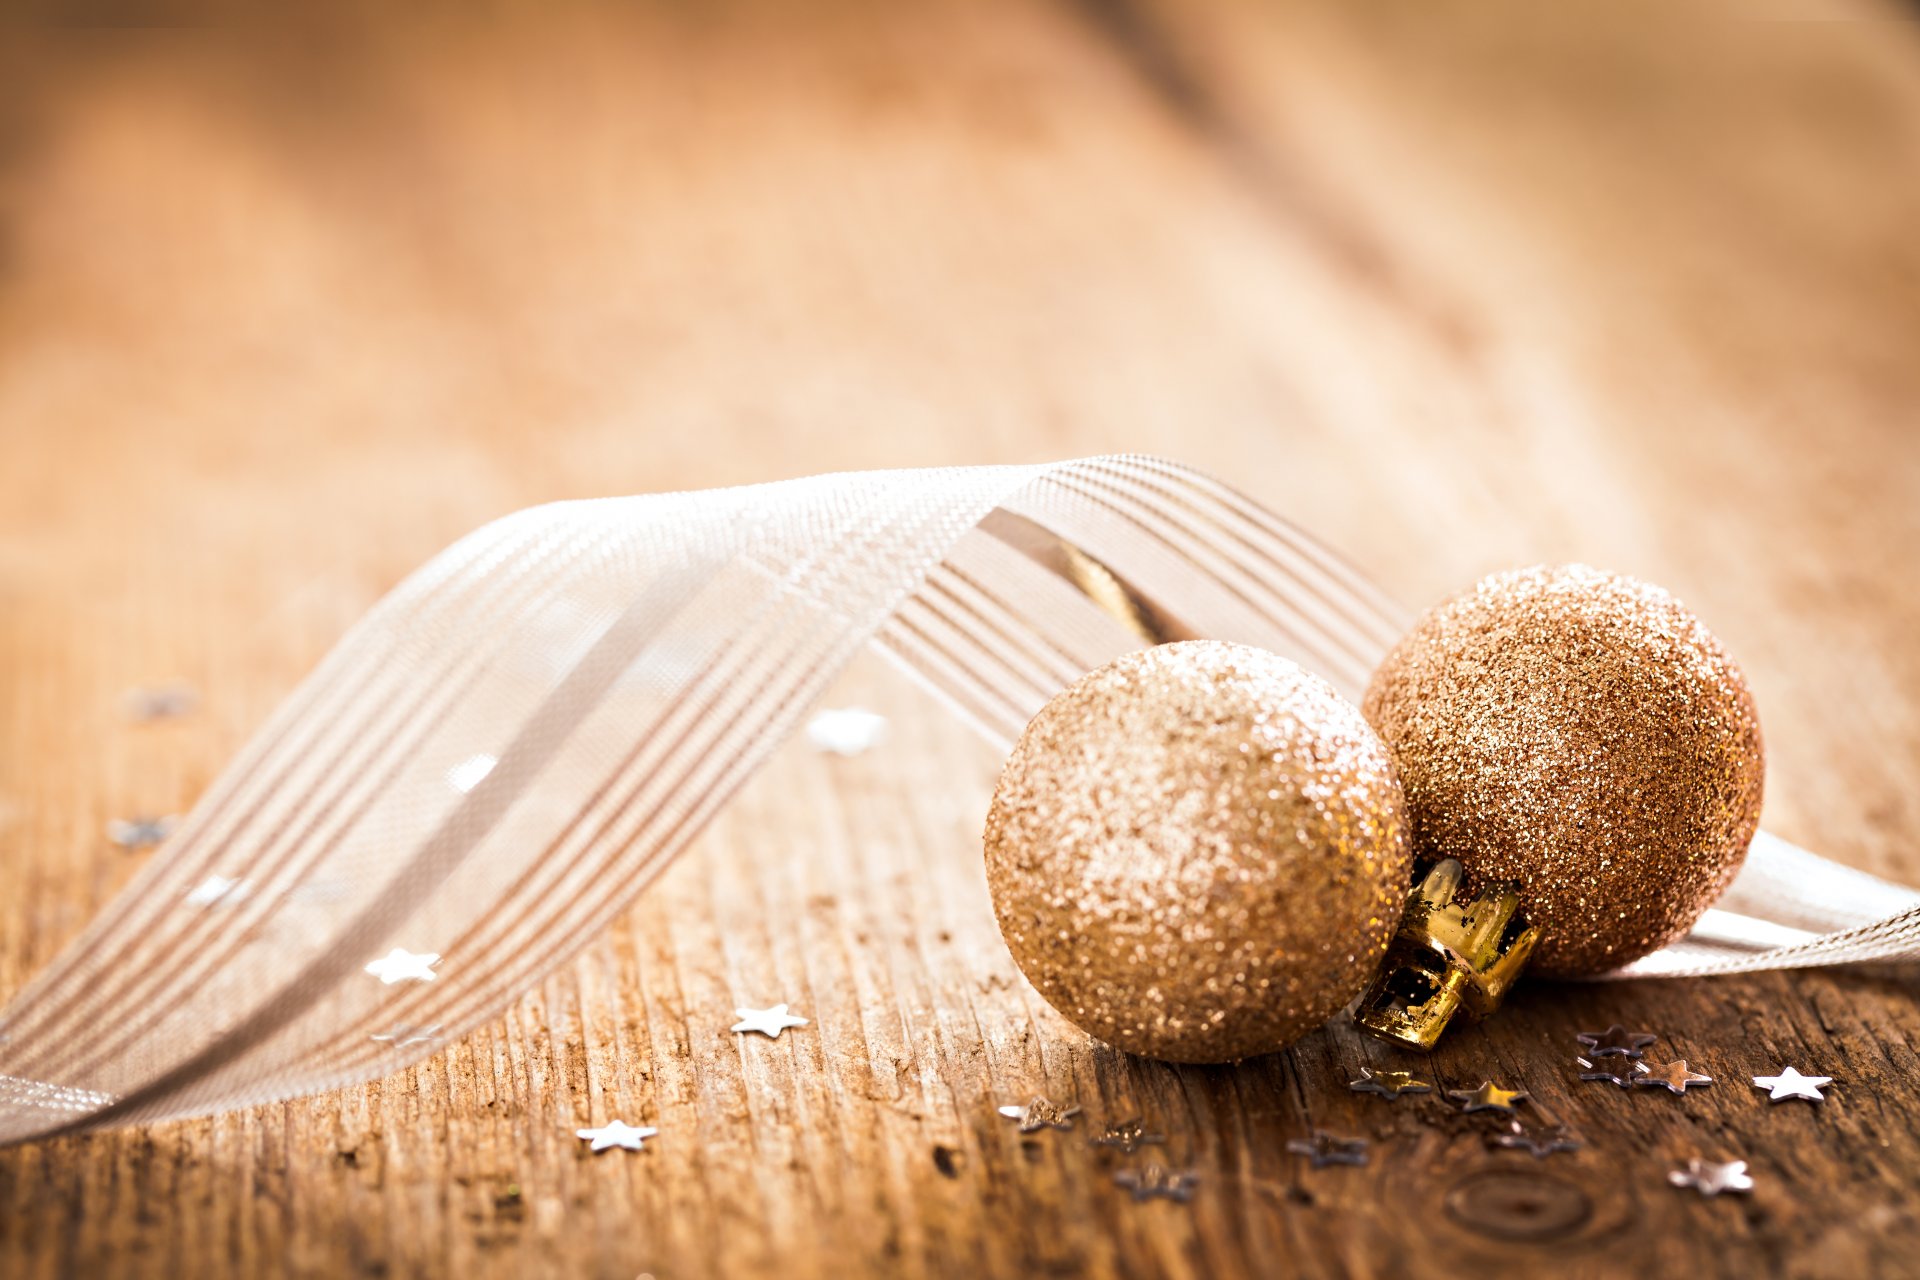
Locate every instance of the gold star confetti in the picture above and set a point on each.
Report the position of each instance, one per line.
(1040, 1114)
(1388, 1084)
(1128, 1136)
(1488, 1097)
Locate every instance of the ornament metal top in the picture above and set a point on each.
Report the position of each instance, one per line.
(1447, 955)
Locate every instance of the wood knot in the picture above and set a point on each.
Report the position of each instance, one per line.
(1508, 1204)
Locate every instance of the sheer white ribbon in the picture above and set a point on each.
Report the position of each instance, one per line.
(493, 762)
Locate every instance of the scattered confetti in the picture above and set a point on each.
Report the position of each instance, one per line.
(140, 833)
(1128, 1136)
(846, 731)
(1620, 1071)
(1616, 1040)
(1675, 1076)
(1324, 1148)
(1040, 1114)
(1538, 1143)
(768, 1022)
(160, 702)
(1388, 1084)
(1710, 1179)
(401, 965)
(616, 1135)
(1155, 1179)
(1791, 1084)
(1488, 1097)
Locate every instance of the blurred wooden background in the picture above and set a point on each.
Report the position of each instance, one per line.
(283, 311)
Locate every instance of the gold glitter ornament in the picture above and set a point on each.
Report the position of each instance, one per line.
(1581, 734)
(1198, 852)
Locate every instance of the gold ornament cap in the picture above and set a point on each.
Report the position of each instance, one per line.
(1447, 955)
(1583, 736)
(1198, 852)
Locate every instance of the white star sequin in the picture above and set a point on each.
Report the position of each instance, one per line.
(1710, 1179)
(401, 965)
(138, 833)
(1791, 1084)
(218, 889)
(616, 1135)
(846, 731)
(768, 1022)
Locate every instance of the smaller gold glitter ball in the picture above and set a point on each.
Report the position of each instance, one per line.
(1198, 852)
(1583, 734)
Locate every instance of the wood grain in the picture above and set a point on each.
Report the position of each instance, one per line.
(283, 311)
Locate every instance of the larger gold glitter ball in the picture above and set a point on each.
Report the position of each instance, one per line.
(1198, 852)
(1583, 734)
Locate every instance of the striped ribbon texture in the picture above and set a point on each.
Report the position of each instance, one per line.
(500, 756)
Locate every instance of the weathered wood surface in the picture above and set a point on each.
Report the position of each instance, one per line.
(282, 313)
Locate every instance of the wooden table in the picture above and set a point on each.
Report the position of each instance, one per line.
(284, 311)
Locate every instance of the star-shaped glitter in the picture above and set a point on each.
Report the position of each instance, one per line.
(218, 889)
(616, 1135)
(401, 965)
(1129, 1136)
(1710, 1179)
(1040, 1114)
(407, 1034)
(1388, 1084)
(1488, 1097)
(139, 833)
(1620, 1071)
(768, 1022)
(1791, 1084)
(1324, 1148)
(1538, 1143)
(1616, 1039)
(1676, 1076)
(1151, 1180)
(846, 731)
(160, 702)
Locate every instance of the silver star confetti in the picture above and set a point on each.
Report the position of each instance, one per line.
(160, 702)
(1676, 1076)
(1791, 1084)
(1710, 1179)
(768, 1022)
(616, 1135)
(1151, 1180)
(401, 965)
(1620, 1071)
(1388, 1084)
(139, 833)
(1488, 1097)
(846, 731)
(1040, 1114)
(216, 890)
(1538, 1143)
(1324, 1148)
(407, 1034)
(1615, 1040)
(1129, 1136)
